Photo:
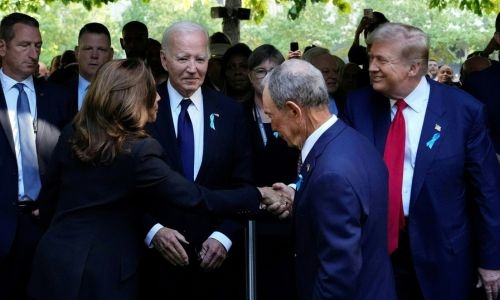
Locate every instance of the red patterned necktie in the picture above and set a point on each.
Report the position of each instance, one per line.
(394, 154)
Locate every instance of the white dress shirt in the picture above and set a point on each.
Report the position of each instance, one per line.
(414, 115)
(11, 94)
(195, 112)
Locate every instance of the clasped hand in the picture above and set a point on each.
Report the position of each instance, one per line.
(277, 199)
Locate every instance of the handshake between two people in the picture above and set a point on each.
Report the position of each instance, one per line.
(277, 199)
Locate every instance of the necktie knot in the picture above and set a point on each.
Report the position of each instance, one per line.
(401, 104)
(185, 104)
(19, 86)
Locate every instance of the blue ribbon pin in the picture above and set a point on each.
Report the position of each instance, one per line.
(431, 142)
(299, 182)
(276, 134)
(212, 123)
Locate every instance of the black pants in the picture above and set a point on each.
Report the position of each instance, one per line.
(15, 269)
(407, 286)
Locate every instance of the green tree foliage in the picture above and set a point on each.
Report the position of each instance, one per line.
(453, 32)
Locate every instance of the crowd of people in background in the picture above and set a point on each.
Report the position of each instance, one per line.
(378, 176)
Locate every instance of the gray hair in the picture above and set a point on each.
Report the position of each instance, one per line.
(186, 27)
(414, 42)
(298, 81)
(314, 52)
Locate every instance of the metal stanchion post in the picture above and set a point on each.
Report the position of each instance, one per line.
(250, 261)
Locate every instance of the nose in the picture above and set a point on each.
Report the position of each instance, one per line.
(34, 51)
(191, 66)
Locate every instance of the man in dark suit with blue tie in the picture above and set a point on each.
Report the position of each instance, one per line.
(444, 232)
(204, 136)
(32, 112)
(340, 205)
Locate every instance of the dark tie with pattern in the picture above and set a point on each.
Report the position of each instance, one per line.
(394, 154)
(185, 140)
(29, 161)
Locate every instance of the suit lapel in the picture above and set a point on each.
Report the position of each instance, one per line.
(42, 111)
(165, 128)
(382, 121)
(210, 109)
(434, 123)
(310, 162)
(4, 120)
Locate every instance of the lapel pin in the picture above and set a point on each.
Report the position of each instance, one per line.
(212, 117)
(308, 167)
(299, 182)
(437, 127)
(276, 134)
(434, 138)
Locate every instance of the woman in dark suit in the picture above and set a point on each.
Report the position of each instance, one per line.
(106, 171)
(274, 162)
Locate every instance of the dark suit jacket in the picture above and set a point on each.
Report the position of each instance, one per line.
(454, 218)
(93, 245)
(484, 86)
(72, 87)
(226, 161)
(340, 215)
(52, 115)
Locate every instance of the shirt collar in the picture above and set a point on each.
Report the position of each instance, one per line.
(414, 99)
(314, 137)
(83, 83)
(176, 98)
(9, 82)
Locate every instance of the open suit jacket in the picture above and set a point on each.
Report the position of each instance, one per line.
(52, 116)
(226, 160)
(93, 245)
(454, 216)
(340, 213)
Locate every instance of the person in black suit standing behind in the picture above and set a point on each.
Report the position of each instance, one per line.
(221, 159)
(93, 50)
(273, 161)
(32, 112)
(483, 86)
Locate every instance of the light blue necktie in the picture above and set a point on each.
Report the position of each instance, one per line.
(185, 140)
(29, 161)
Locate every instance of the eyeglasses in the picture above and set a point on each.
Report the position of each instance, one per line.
(260, 72)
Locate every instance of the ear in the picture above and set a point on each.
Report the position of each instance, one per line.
(294, 111)
(3, 47)
(415, 68)
(163, 58)
(111, 53)
(497, 37)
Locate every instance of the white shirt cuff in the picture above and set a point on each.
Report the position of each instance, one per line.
(293, 186)
(223, 239)
(151, 234)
